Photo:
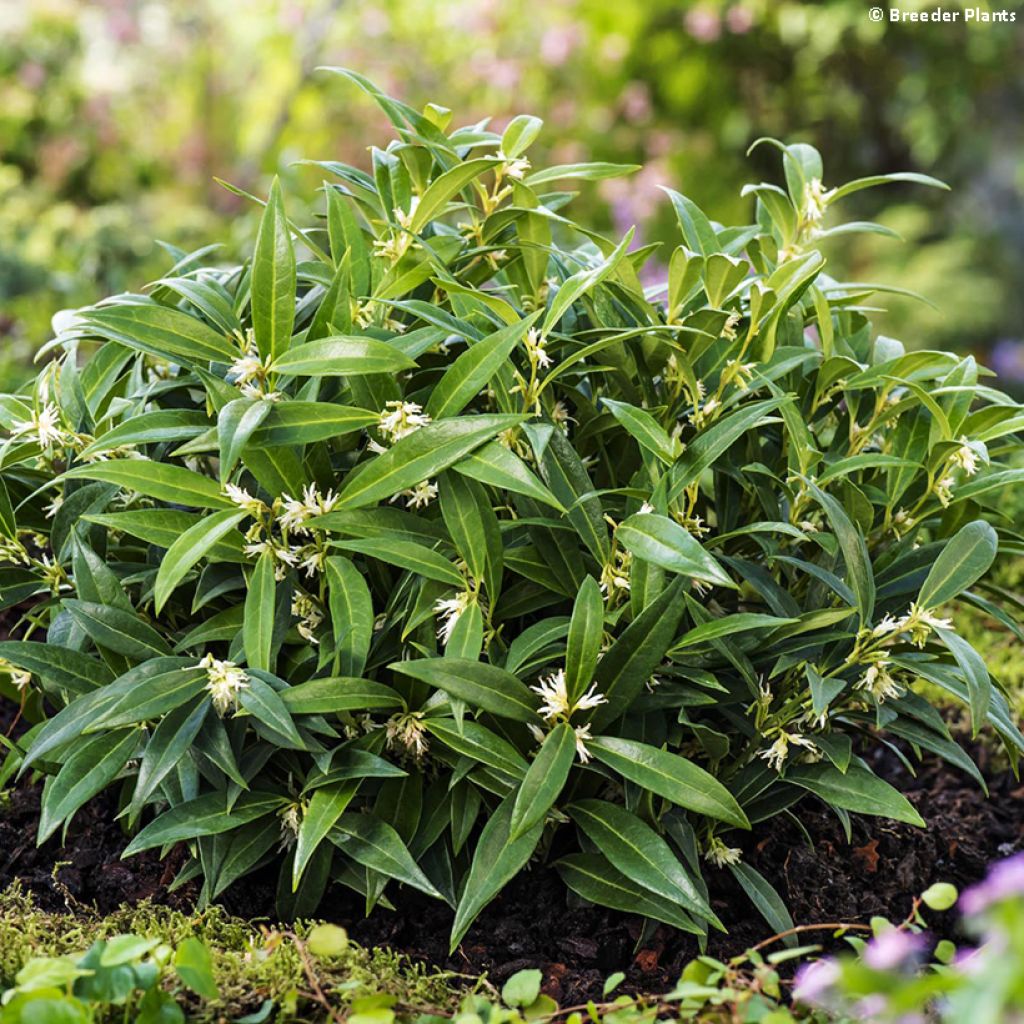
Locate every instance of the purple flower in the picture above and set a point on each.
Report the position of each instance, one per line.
(1005, 881)
(870, 1007)
(891, 949)
(814, 980)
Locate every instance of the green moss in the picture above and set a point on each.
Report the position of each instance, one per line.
(252, 961)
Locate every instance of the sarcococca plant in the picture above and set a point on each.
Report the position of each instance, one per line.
(430, 542)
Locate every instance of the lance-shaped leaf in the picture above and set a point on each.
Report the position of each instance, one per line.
(376, 845)
(544, 781)
(709, 445)
(420, 456)
(478, 742)
(89, 770)
(583, 643)
(483, 686)
(161, 480)
(164, 526)
(150, 428)
(591, 876)
(635, 655)
(66, 668)
(118, 630)
(336, 693)
(206, 815)
(967, 556)
(635, 849)
(670, 776)
(325, 807)
(496, 859)
(471, 371)
(273, 279)
(162, 331)
(342, 356)
(416, 558)
(661, 541)
(857, 789)
(236, 423)
(189, 549)
(351, 610)
(495, 465)
(854, 547)
(298, 423)
(260, 606)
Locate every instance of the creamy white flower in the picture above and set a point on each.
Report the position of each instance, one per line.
(310, 559)
(243, 499)
(13, 551)
(246, 369)
(308, 612)
(555, 702)
(560, 414)
(645, 509)
(720, 855)
(44, 424)
(554, 694)
(889, 624)
(878, 681)
(19, 677)
(451, 610)
(615, 575)
(815, 201)
(284, 557)
(419, 496)
(777, 753)
(513, 167)
(54, 506)
(291, 821)
(901, 522)
(406, 732)
(919, 623)
(224, 682)
(535, 343)
(944, 491)
(400, 419)
(295, 512)
(582, 734)
(405, 218)
(965, 457)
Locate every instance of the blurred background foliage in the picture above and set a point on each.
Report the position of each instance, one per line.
(116, 116)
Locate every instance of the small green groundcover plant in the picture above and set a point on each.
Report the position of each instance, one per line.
(429, 542)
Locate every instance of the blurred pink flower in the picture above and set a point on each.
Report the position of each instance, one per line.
(891, 949)
(1005, 881)
(636, 102)
(739, 19)
(557, 44)
(703, 23)
(814, 980)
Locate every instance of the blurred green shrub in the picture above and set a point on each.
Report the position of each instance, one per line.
(104, 103)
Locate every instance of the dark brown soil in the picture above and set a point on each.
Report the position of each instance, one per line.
(535, 924)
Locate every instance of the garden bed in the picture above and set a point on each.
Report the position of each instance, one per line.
(534, 924)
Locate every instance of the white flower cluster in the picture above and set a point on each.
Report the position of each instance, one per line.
(295, 512)
(406, 732)
(224, 682)
(778, 752)
(556, 705)
(43, 426)
(400, 419)
(451, 609)
(308, 612)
